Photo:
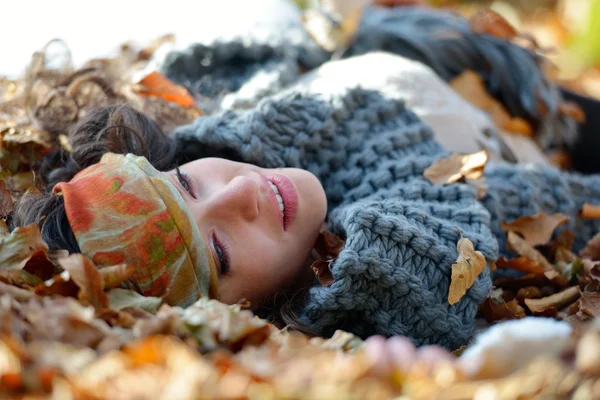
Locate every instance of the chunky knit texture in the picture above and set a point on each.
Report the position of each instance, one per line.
(393, 275)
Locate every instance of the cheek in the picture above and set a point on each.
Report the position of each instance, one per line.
(271, 269)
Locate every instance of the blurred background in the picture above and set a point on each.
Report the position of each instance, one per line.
(569, 29)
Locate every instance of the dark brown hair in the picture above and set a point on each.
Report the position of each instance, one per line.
(117, 129)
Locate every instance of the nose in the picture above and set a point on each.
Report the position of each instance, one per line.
(239, 197)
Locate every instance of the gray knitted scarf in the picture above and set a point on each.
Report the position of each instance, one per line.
(369, 152)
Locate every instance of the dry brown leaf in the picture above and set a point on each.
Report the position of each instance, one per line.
(6, 201)
(589, 304)
(157, 85)
(536, 229)
(590, 211)
(521, 247)
(494, 308)
(529, 292)
(328, 245)
(469, 264)
(511, 283)
(322, 272)
(18, 247)
(487, 21)
(519, 126)
(20, 278)
(522, 264)
(86, 276)
(456, 167)
(3, 229)
(480, 185)
(592, 249)
(60, 284)
(557, 300)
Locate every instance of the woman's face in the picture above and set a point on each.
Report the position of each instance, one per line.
(258, 248)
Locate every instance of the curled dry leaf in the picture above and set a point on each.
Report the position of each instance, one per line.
(469, 264)
(456, 167)
(327, 246)
(157, 85)
(86, 276)
(536, 229)
(18, 247)
(19, 277)
(494, 308)
(6, 201)
(590, 211)
(522, 264)
(521, 247)
(589, 305)
(557, 300)
(592, 249)
(322, 272)
(487, 21)
(529, 292)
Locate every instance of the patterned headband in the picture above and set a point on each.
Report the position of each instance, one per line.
(122, 210)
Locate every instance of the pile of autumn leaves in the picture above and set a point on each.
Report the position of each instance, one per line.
(68, 330)
(553, 280)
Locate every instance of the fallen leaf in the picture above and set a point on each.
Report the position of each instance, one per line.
(86, 276)
(6, 201)
(521, 247)
(469, 264)
(573, 270)
(589, 304)
(519, 126)
(59, 284)
(124, 298)
(322, 272)
(536, 229)
(470, 85)
(19, 277)
(15, 292)
(522, 264)
(573, 110)
(114, 275)
(558, 300)
(511, 283)
(587, 356)
(592, 249)
(328, 245)
(529, 292)
(590, 211)
(18, 247)
(3, 229)
(494, 308)
(456, 167)
(487, 21)
(157, 85)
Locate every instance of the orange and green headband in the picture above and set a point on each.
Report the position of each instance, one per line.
(122, 210)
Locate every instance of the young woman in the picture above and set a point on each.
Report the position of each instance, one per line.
(241, 218)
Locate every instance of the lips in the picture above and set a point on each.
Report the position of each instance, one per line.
(288, 193)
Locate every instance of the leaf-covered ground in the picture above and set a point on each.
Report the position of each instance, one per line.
(69, 330)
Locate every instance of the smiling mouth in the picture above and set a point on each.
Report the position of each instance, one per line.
(279, 198)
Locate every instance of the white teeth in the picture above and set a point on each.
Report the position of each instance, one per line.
(278, 196)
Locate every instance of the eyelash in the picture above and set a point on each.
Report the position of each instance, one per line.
(223, 255)
(185, 181)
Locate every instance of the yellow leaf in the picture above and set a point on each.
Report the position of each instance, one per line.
(520, 246)
(465, 270)
(456, 167)
(536, 229)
